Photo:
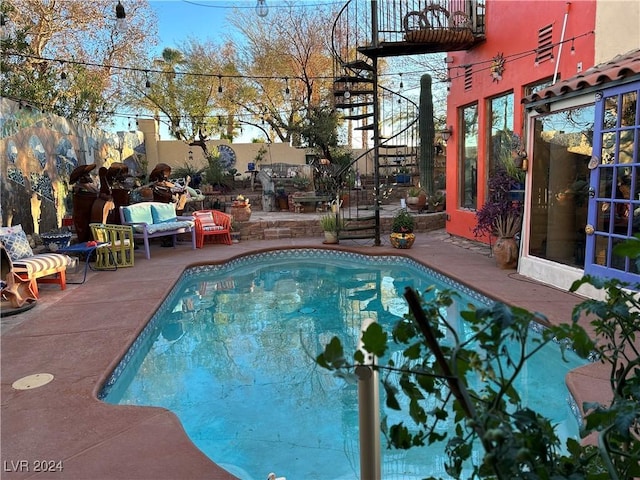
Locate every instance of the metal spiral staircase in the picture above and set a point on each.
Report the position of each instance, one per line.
(365, 31)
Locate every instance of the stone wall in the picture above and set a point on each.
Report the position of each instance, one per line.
(301, 227)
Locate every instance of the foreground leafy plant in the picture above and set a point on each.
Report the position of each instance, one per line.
(473, 381)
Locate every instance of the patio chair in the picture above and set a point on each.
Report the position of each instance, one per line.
(120, 245)
(213, 224)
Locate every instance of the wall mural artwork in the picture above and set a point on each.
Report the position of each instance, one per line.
(38, 152)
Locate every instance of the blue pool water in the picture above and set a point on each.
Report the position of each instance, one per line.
(231, 351)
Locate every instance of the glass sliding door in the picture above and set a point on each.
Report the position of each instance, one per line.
(562, 150)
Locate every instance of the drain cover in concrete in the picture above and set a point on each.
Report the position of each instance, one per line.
(32, 381)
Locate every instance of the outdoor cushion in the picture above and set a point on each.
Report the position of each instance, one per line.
(163, 227)
(163, 212)
(41, 262)
(16, 243)
(138, 213)
(206, 221)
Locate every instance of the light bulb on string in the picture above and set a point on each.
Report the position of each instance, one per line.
(121, 16)
(261, 8)
(219, 86)
(573, 48)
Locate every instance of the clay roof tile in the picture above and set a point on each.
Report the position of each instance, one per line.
(618, 68)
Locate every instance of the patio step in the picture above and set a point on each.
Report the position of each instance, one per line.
(276, 233)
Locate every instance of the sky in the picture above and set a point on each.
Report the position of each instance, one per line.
(202, 19)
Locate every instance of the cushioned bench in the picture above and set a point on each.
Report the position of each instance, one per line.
(156, 219)
(42, 267)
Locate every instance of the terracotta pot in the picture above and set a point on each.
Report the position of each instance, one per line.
(417, 203)
(402, 240)
(505, 252)
(241, 213)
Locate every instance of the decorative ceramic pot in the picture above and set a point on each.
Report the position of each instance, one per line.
(55, 241)
(505, 252)
(402, 240)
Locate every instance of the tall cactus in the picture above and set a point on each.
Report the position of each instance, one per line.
(427, 133)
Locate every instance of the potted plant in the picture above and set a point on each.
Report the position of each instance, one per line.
(241, 209)
(500, 217)
(402, 226)
(416, 198)
(282, 199)
(403, 176)
(437, 201)
(331, 224)
(235, 231)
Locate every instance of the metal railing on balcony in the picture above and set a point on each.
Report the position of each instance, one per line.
(378, 28)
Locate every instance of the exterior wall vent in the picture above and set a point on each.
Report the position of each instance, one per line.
(545, 44)
(468, 77)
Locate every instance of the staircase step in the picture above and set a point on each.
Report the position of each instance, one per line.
(340, 93)
(365, 127)
(358, 229)
(276, 233)
(359, 65)
(361, 218)
(356, 237)
(352, 79)
(354, 105)
(358, 117)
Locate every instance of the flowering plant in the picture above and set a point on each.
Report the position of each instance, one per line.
(241, 201)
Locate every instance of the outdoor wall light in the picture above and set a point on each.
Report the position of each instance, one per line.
(446, 133)
(121, 23)
(261, 8)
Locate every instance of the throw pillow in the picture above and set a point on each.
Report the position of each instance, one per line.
(16, 244)
(163, 212)
(12, 229)
(206, 219)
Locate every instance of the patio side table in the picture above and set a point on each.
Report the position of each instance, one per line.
(83, 249)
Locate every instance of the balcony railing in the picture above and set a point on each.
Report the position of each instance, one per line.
(401, 27)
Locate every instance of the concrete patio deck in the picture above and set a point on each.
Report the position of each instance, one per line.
(78, 335)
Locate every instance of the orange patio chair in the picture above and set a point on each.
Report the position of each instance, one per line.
(213, 224)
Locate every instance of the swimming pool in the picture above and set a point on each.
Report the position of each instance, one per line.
(231, 351)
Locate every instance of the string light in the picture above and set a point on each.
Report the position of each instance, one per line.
(147, 84)
(261, 8)
(121, 22)
(219, 86)
(286, 90)
(573, 48)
